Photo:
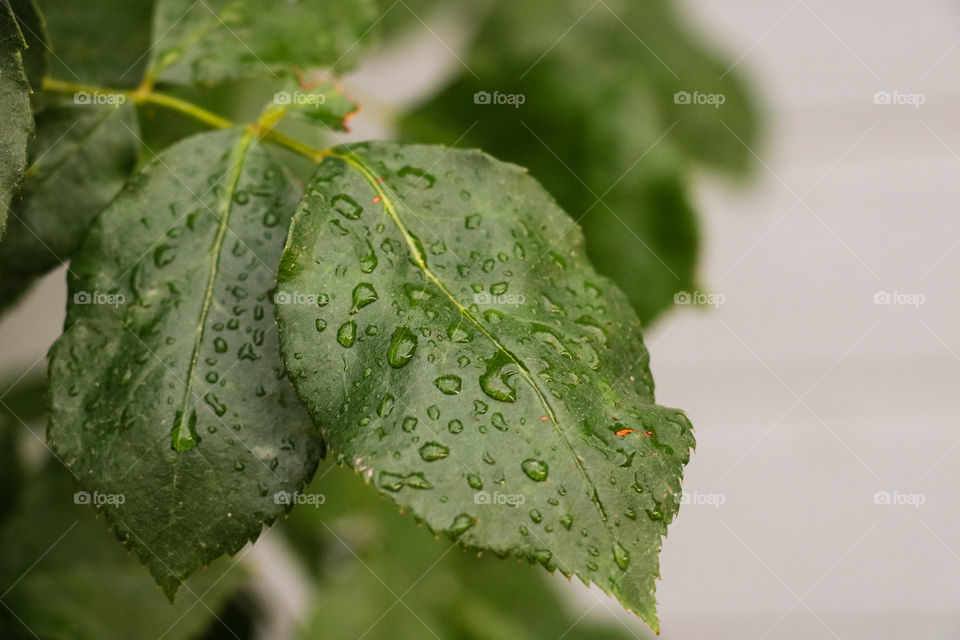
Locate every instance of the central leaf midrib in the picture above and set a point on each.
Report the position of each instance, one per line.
(391, 210)
(239, 150)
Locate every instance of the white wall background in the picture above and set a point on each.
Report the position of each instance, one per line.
(807, 397)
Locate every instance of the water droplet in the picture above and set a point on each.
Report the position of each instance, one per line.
(475, 481)
(455, 426)
(461, 524)
(456, 333)
(363, 294)
(218, 407)
(386, 406)
(347, 333)
(535, 469)
(403, 345)
(621, 556)
(220, 345)
(417, 178)
(567, 521)
(433, 411)
(239, 466)
(163, 255)
(346, 206)
(417, 481)
(433, 451)
(497, 381)
(321, 324)
(409, 424)
(184, 435)
(473, 221)
(390, 481)
(369, 262)
(542, 555)
(449, 385)
(536, 516)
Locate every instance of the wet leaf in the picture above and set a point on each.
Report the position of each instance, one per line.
(103, 42)
(78, 162)
(211, 41)
(489, 367)
(321, 102)
(16, 121)
(167, 386)
(65, 578)
(33, 29)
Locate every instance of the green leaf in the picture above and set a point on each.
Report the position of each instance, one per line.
(32, 27)
(321, 103)
(598, 124)
(442, 324)
(64, 578)
(103, 42)
(79, 161)
(16, 121)
(167, 385)
(361, 550)
(215, 40)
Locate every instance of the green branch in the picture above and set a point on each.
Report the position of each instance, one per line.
(146, 95)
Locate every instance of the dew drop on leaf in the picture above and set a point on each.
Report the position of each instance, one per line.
(363, 294)
(347, 333)
(497, 381)
(386, 406)
(346, 206)
(535, 469)
(433, 451)
(449, 385)
(621, 556)
(403, 345)
(461, 524)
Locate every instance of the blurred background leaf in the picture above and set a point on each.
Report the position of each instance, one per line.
(364, 555)
(588, 104)
(62, 573)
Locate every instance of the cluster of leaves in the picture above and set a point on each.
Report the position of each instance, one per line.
(429, 314)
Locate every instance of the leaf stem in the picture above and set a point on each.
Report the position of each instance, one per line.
(146, 95)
